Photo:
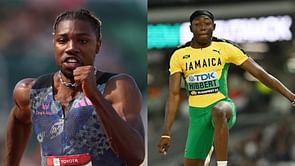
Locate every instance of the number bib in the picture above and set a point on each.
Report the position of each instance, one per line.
(70, 160)
(205, 83)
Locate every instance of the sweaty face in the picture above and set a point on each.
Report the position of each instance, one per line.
(75, 44)
(202, 27)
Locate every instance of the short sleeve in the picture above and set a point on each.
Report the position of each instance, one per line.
(235, 55)
(175, 64)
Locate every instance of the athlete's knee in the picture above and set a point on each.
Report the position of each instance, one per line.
(221, 112)
(218, 113)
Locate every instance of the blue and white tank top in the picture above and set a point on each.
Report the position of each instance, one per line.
(77, 132)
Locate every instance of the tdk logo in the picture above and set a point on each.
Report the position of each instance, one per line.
(202, 77)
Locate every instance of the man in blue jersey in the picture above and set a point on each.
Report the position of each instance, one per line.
(80, 116)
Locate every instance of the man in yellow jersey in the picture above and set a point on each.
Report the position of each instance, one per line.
(203, 63)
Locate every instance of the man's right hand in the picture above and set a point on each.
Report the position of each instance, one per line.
(164, 145)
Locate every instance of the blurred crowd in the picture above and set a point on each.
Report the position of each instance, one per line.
(268, 145)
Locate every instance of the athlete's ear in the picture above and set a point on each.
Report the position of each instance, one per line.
(98, 46)
(53, 37)
(214, 25)
(190, 27)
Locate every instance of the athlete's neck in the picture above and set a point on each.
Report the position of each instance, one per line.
(197, 44)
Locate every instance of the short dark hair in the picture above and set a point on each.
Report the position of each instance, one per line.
(81, 14)
(198, 13)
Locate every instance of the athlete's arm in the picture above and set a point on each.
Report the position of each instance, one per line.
(120, 115)
(257, 71)
(119, 111)
(171, 109)
(19, 124)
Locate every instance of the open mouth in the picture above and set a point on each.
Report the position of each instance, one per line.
(71, 62)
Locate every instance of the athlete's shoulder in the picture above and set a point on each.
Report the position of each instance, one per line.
(122, 87)
(23, 88)
(103, 77)
(21, 92)
(182, 46)
(123, 78)
(224, 41)
(180, 50)
(43, 81)
(25, 84)
(227, 43)
(114, 78)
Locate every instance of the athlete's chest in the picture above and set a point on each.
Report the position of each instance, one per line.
(45, 103)
(55, 110)
(202, 60)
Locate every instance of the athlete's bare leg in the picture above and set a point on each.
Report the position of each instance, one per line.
(221, 113)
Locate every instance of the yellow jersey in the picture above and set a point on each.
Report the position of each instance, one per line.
(205, 69)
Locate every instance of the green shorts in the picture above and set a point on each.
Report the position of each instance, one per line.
(201, 130)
